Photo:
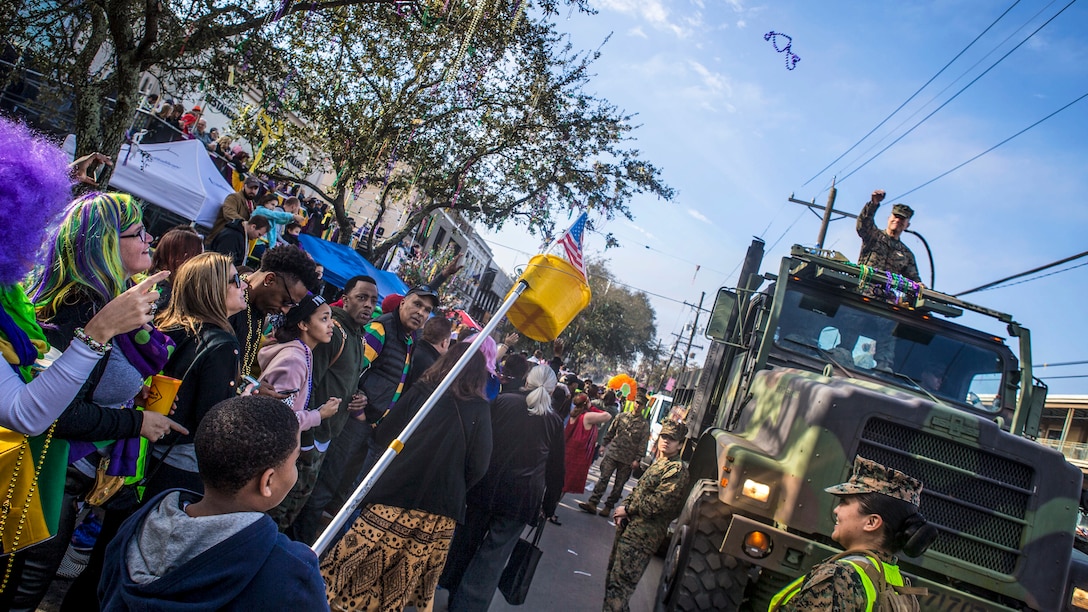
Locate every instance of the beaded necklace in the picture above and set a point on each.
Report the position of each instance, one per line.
(5, 510)
(252, 344)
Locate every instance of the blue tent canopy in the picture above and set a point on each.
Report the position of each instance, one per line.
(342, 262)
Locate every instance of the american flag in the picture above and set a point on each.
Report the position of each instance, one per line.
(572, 244)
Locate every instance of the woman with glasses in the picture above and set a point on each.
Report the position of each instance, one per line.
(207, 291)
(99, 246)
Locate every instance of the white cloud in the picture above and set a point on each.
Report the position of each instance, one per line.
(637, 31)
(698, 215)
(741, 24)
(652, 11)
(639, 229)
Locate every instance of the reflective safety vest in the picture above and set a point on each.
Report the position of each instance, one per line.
(860, 562)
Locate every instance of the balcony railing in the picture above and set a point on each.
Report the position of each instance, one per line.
(1076, 452)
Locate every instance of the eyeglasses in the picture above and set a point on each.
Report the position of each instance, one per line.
(236, 279)
(290, 301)
(142, 234)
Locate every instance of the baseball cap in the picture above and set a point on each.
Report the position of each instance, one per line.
(252, 180)
(391, 302)
(305, 308)
(424, 290)
(868, 476)
(902, 210)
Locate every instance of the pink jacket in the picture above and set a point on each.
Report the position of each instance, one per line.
(285, 367)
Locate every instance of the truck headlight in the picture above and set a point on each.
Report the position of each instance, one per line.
(756, 490)
(1080, 598)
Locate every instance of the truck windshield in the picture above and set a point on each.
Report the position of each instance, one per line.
(918, 357)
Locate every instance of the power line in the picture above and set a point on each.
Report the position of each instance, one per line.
(913, 95)
(1029, 272)
(1070, 376)
(1028, 280)
(956, 95)
(940, 93)
(1058, 365)
(944, 174)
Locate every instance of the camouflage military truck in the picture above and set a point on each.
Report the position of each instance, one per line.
(830, 361)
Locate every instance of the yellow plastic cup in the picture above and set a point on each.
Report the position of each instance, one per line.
(557, 293)
(163, 391)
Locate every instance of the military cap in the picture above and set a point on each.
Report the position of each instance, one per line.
(674, 430)
(902, 210)
(870, 477)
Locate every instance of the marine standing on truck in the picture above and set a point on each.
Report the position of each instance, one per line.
(642, 522)
(876, 517)
(883, 249)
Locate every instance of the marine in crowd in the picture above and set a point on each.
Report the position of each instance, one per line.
(626, 441)
(642, 522)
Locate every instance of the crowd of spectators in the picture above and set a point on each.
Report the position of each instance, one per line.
(283, 404)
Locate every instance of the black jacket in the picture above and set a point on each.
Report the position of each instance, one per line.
(424, 354)
(231, 241)
(207, 365)
(527, 462)
(447, 454)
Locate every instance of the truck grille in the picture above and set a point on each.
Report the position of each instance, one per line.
(977, 499)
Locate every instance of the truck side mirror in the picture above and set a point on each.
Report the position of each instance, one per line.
(1035, 411)
(723, 315)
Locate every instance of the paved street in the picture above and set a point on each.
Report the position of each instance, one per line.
(570, 576)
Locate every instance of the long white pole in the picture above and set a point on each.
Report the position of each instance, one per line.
(329, 535)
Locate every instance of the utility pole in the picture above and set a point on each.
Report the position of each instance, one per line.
(827, 215)
(672, 353)
(695, 326)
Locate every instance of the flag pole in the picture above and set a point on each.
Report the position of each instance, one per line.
(329, 535)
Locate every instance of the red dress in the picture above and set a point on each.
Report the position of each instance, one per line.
(579, 448)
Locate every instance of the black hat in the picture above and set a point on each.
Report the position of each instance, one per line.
(305, 308)
(426, 291)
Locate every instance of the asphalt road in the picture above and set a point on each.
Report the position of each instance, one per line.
(569, 578)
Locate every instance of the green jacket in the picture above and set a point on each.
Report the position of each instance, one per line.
(337, 366)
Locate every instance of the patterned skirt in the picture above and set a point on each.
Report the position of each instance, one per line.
(389, 559)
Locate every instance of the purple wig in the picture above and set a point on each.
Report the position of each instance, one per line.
(36, 188)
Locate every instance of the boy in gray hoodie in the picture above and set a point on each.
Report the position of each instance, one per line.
(185, 552)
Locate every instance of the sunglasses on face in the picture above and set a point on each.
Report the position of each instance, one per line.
(237, 280)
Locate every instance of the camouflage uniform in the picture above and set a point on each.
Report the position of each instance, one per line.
(626, 440)
(879, 250)
(655, 502)
(837, 584)
(831, 586)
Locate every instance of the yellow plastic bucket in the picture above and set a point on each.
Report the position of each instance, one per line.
(556, 294)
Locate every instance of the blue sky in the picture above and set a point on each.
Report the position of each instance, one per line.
(736, 133)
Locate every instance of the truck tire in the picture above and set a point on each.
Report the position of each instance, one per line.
(696, 576)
